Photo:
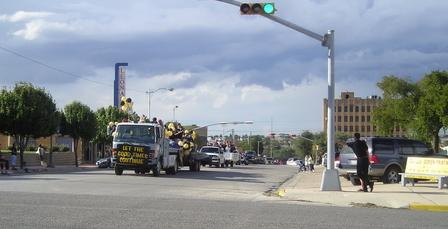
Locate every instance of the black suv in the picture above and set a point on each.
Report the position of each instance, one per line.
(387, 158)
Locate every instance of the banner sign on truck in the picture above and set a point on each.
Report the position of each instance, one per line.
(135, 155)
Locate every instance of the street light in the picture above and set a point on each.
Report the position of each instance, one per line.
(225, 123)
(330, 177)
(174, 112)
(149, 92)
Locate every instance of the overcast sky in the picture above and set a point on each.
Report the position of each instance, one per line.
(223, 66)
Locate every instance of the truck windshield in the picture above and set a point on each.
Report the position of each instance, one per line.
(209, 150)
(135, 133)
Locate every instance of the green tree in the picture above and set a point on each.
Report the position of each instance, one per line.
(400, 99)
(422, 107)
(284, 153)
(27, 112)
(320, 139)
(103, 117)
(303, 145)
(79, 122)
(432, 111)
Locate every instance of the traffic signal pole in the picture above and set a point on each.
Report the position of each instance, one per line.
(330, 177)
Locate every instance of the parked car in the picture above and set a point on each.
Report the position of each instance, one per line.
(336, 159)
(292, 161)
(268, 160)
(387, 158)
(258, 160)
(104, 162)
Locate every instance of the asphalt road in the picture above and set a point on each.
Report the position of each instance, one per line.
(212, 198)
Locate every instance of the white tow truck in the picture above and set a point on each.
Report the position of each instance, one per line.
(231, 158)
(142, 147)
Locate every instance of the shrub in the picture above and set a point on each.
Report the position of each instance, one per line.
(65, 149)
(31, 148)
(55, 149)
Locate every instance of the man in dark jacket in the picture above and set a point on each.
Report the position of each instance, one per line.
(360, 148)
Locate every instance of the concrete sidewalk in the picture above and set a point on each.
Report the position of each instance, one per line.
(56, 169)
(305, 187)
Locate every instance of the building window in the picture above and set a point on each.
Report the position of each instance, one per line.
(351, 128)
(345, 119)
(356, 118)
(351, 108)
(345, 128)
(368, 128)
(363, 128)
(356, 128)
(339, 109)
(356, 108)
(345, 108)
(339, 128)
(397, 128)
(351, 118)
(368, 108)
(363, 108)
(339, 118)
(368, 118)
(363, 118)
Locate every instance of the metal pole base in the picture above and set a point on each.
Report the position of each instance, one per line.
(330, 180)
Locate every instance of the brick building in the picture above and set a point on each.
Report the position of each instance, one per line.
(354, 114)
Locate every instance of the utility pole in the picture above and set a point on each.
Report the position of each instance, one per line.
(330, 177)
(248, 140)
(272, 141)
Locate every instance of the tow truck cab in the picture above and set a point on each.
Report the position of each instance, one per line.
(143, 148)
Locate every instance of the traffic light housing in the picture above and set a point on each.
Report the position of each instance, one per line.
(257, 8)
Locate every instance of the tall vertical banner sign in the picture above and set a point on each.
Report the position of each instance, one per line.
(119, 83)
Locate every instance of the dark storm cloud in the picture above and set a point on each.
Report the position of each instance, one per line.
(372, 40)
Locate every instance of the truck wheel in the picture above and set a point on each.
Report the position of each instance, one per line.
(231, 164)
(118, 171)
(156, 170)
(169, 171)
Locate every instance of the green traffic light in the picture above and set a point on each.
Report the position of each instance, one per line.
(268, 8)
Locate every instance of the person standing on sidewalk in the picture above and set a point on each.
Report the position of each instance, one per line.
(360, 148)
(13, 157)
(311, 163)
(307, 164)
(41, 152)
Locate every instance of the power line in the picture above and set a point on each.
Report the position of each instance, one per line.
(58, 69)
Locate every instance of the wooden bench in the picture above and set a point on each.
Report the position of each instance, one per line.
(426, 168)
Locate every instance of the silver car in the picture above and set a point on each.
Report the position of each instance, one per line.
(387, 158)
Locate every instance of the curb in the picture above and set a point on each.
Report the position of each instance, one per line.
(428, 207)
(280, 192)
